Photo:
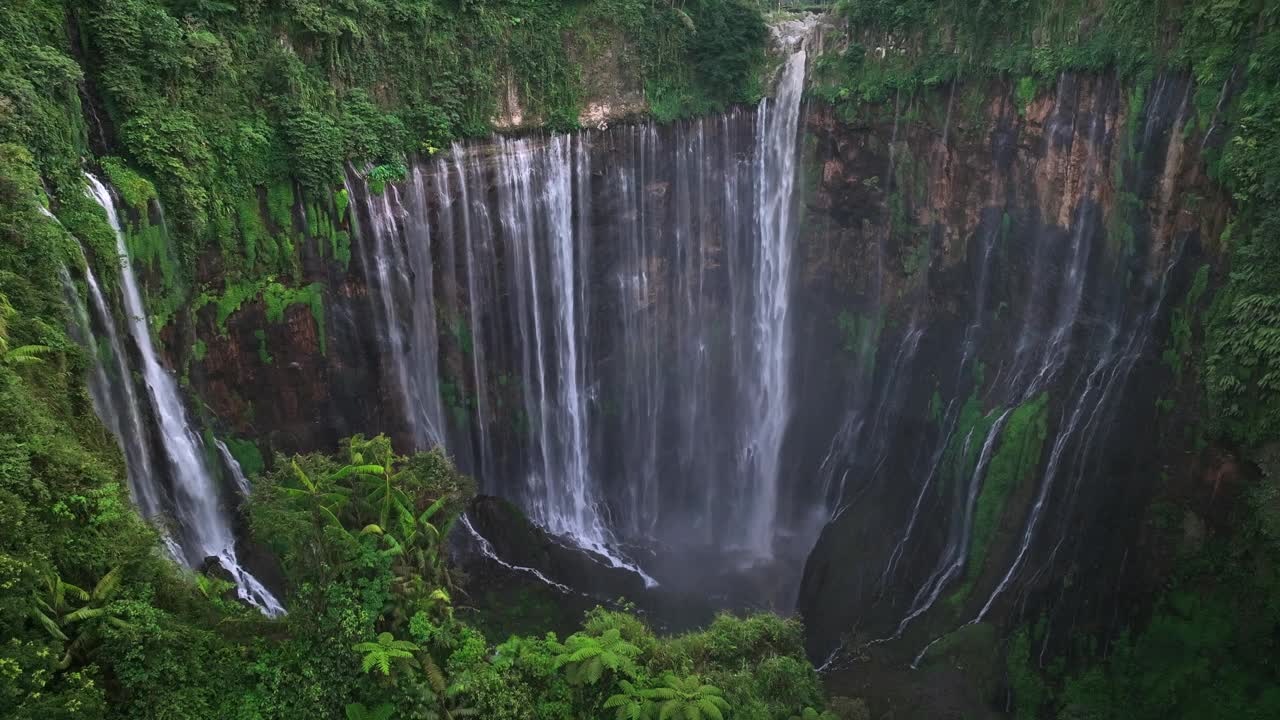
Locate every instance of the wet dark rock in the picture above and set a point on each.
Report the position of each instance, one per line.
(519, 542)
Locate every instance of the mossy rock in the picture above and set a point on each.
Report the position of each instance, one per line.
(972, 649)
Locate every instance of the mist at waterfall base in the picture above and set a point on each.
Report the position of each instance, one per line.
(596, 326)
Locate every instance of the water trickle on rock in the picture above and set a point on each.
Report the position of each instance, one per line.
(181, 486)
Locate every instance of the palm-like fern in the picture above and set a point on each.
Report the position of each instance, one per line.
(632, 703)
(382, 652)
(24, 354)
(586, 657)
(687, 699)
(76, 624)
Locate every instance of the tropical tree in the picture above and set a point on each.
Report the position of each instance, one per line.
(687, 699)
(586, 657)
(417, 566)
(380, 653)
(55, 609)
(633, 703)
(382, 490)
(322, 497)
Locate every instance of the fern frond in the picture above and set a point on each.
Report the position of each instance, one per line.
(435, 676)
(108, 585)
(710, 709)
(65, 588)
(27, 354)
(48, 624)
(432, 510)
(84, 613)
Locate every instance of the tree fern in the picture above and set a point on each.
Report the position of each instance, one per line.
(632, 703)
(586, 657)
(381, 653)
(688, 699)
(76, 625)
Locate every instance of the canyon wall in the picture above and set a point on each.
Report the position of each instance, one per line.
(990, 309)
(1014, 288)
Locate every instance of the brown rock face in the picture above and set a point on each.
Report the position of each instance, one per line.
(1014, 238)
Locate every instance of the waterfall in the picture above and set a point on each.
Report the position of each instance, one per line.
(768, 376)
(1082, 312)
(112, 390)
(597, 285)
(233, 466)
(203, 529)
(397, 264)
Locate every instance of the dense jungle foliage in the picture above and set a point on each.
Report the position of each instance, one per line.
(234, 110)
(234, 113)
(227, 113)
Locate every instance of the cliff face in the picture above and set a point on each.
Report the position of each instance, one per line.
(992, 306)
(1030, 280)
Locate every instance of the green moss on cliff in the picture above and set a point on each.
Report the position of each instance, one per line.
(1015, 460)
(898, 48)
(276, 298)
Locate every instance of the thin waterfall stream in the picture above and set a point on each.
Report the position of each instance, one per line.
(186, 490)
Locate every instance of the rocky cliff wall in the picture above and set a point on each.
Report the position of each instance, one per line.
(993, 306)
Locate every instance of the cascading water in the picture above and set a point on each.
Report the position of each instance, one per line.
(587, 333)
(767, 372)
(969, 501)
(233, 466)
(396, 260)
(185, 488)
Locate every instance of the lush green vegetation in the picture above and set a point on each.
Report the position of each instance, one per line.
(1015, 458)
(241, 118)
(1208, 650)
(371, 629)
(230, 126)
(238, 110)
